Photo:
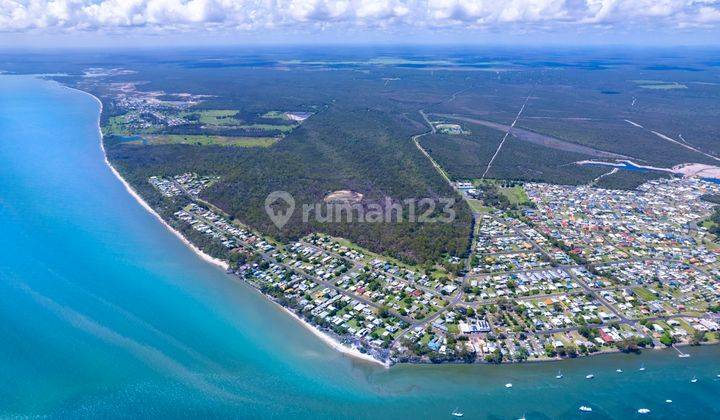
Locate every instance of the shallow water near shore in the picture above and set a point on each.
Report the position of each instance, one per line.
(104, 313)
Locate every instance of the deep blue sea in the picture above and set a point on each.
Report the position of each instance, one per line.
(105, 314)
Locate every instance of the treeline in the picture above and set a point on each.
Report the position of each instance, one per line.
(715, 218)
(711, 198)
(629, 180)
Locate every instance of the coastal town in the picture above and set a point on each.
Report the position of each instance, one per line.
(333, 209)
(153, 117)
(566, 271)
(578, 271)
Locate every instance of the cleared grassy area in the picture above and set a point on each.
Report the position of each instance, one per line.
(205, 140)
(708, 224)
(644, 294)
(278, 115)
(515, 194)
(476, 206)
(217, 117)
(119, 125)
(269, 127)
(116, 125)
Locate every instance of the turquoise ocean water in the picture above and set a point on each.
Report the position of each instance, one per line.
(104, 313)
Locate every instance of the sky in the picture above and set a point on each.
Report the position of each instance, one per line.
(50, 23)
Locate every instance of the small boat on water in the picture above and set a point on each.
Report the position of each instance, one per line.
(522, 418)
(508, 385)
(643, 410)
(585, 408)
(457, 413)
(642, 367)
(560, 375)
(693, 380)
(668, 401)
(618, 370)
(589, 376)
(680, 352)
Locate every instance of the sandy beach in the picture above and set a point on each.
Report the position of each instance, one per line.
(146, 206)
(139, 199)
(330, 341)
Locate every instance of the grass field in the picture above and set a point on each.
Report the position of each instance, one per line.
(116, 125)
(217, 117)
(269, 127)
(278, 115)
(120, 125)
(644, 294)
(515, 194)
(477, 206)
(708, 224)
(205, 140)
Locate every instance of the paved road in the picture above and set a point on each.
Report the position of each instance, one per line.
(597, 296)
(437, 167)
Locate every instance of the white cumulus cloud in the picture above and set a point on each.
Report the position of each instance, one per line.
(23, 15)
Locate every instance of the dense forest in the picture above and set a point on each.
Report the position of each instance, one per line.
(366, 151)
(467, 157)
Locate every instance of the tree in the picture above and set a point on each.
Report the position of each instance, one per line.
(571, 351)
(494, 357)
(465, 355)
(667, 340)
(645, 341)
(586, 332)
(522, 355)
(550, 350)
(697, 338)
(628, 345)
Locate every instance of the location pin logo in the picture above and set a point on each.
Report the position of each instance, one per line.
(279, 217)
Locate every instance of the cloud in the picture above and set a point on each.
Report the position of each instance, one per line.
(249, 15)
(496, 12)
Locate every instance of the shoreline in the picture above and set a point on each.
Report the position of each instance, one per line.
(139, 199)
(332, 342)
(325, 338)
